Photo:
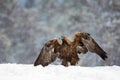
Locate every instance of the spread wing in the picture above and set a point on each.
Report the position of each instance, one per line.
(92, 46)
(47, 54)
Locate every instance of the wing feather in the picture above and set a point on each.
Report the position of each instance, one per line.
(99, 50)
(93, 46)
(46, 56)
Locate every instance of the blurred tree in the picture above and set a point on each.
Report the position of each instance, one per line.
(25, 25)
(29, 3)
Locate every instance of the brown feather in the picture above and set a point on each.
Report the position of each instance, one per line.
(68, 50)
(92, 46)
(47, 55)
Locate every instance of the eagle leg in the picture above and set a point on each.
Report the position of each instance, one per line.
(74, 61)
(64, 62)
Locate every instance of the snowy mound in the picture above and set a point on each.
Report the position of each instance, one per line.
(53, 72)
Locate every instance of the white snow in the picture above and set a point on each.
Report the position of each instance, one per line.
(58, 72)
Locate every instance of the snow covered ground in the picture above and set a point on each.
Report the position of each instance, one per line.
(58, 72)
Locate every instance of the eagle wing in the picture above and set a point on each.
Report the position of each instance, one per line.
(47, 54)
(82, 49)
(93, 46)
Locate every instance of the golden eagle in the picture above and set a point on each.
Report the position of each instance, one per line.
(68, 50)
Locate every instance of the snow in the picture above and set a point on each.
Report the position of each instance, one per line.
(58, 72)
